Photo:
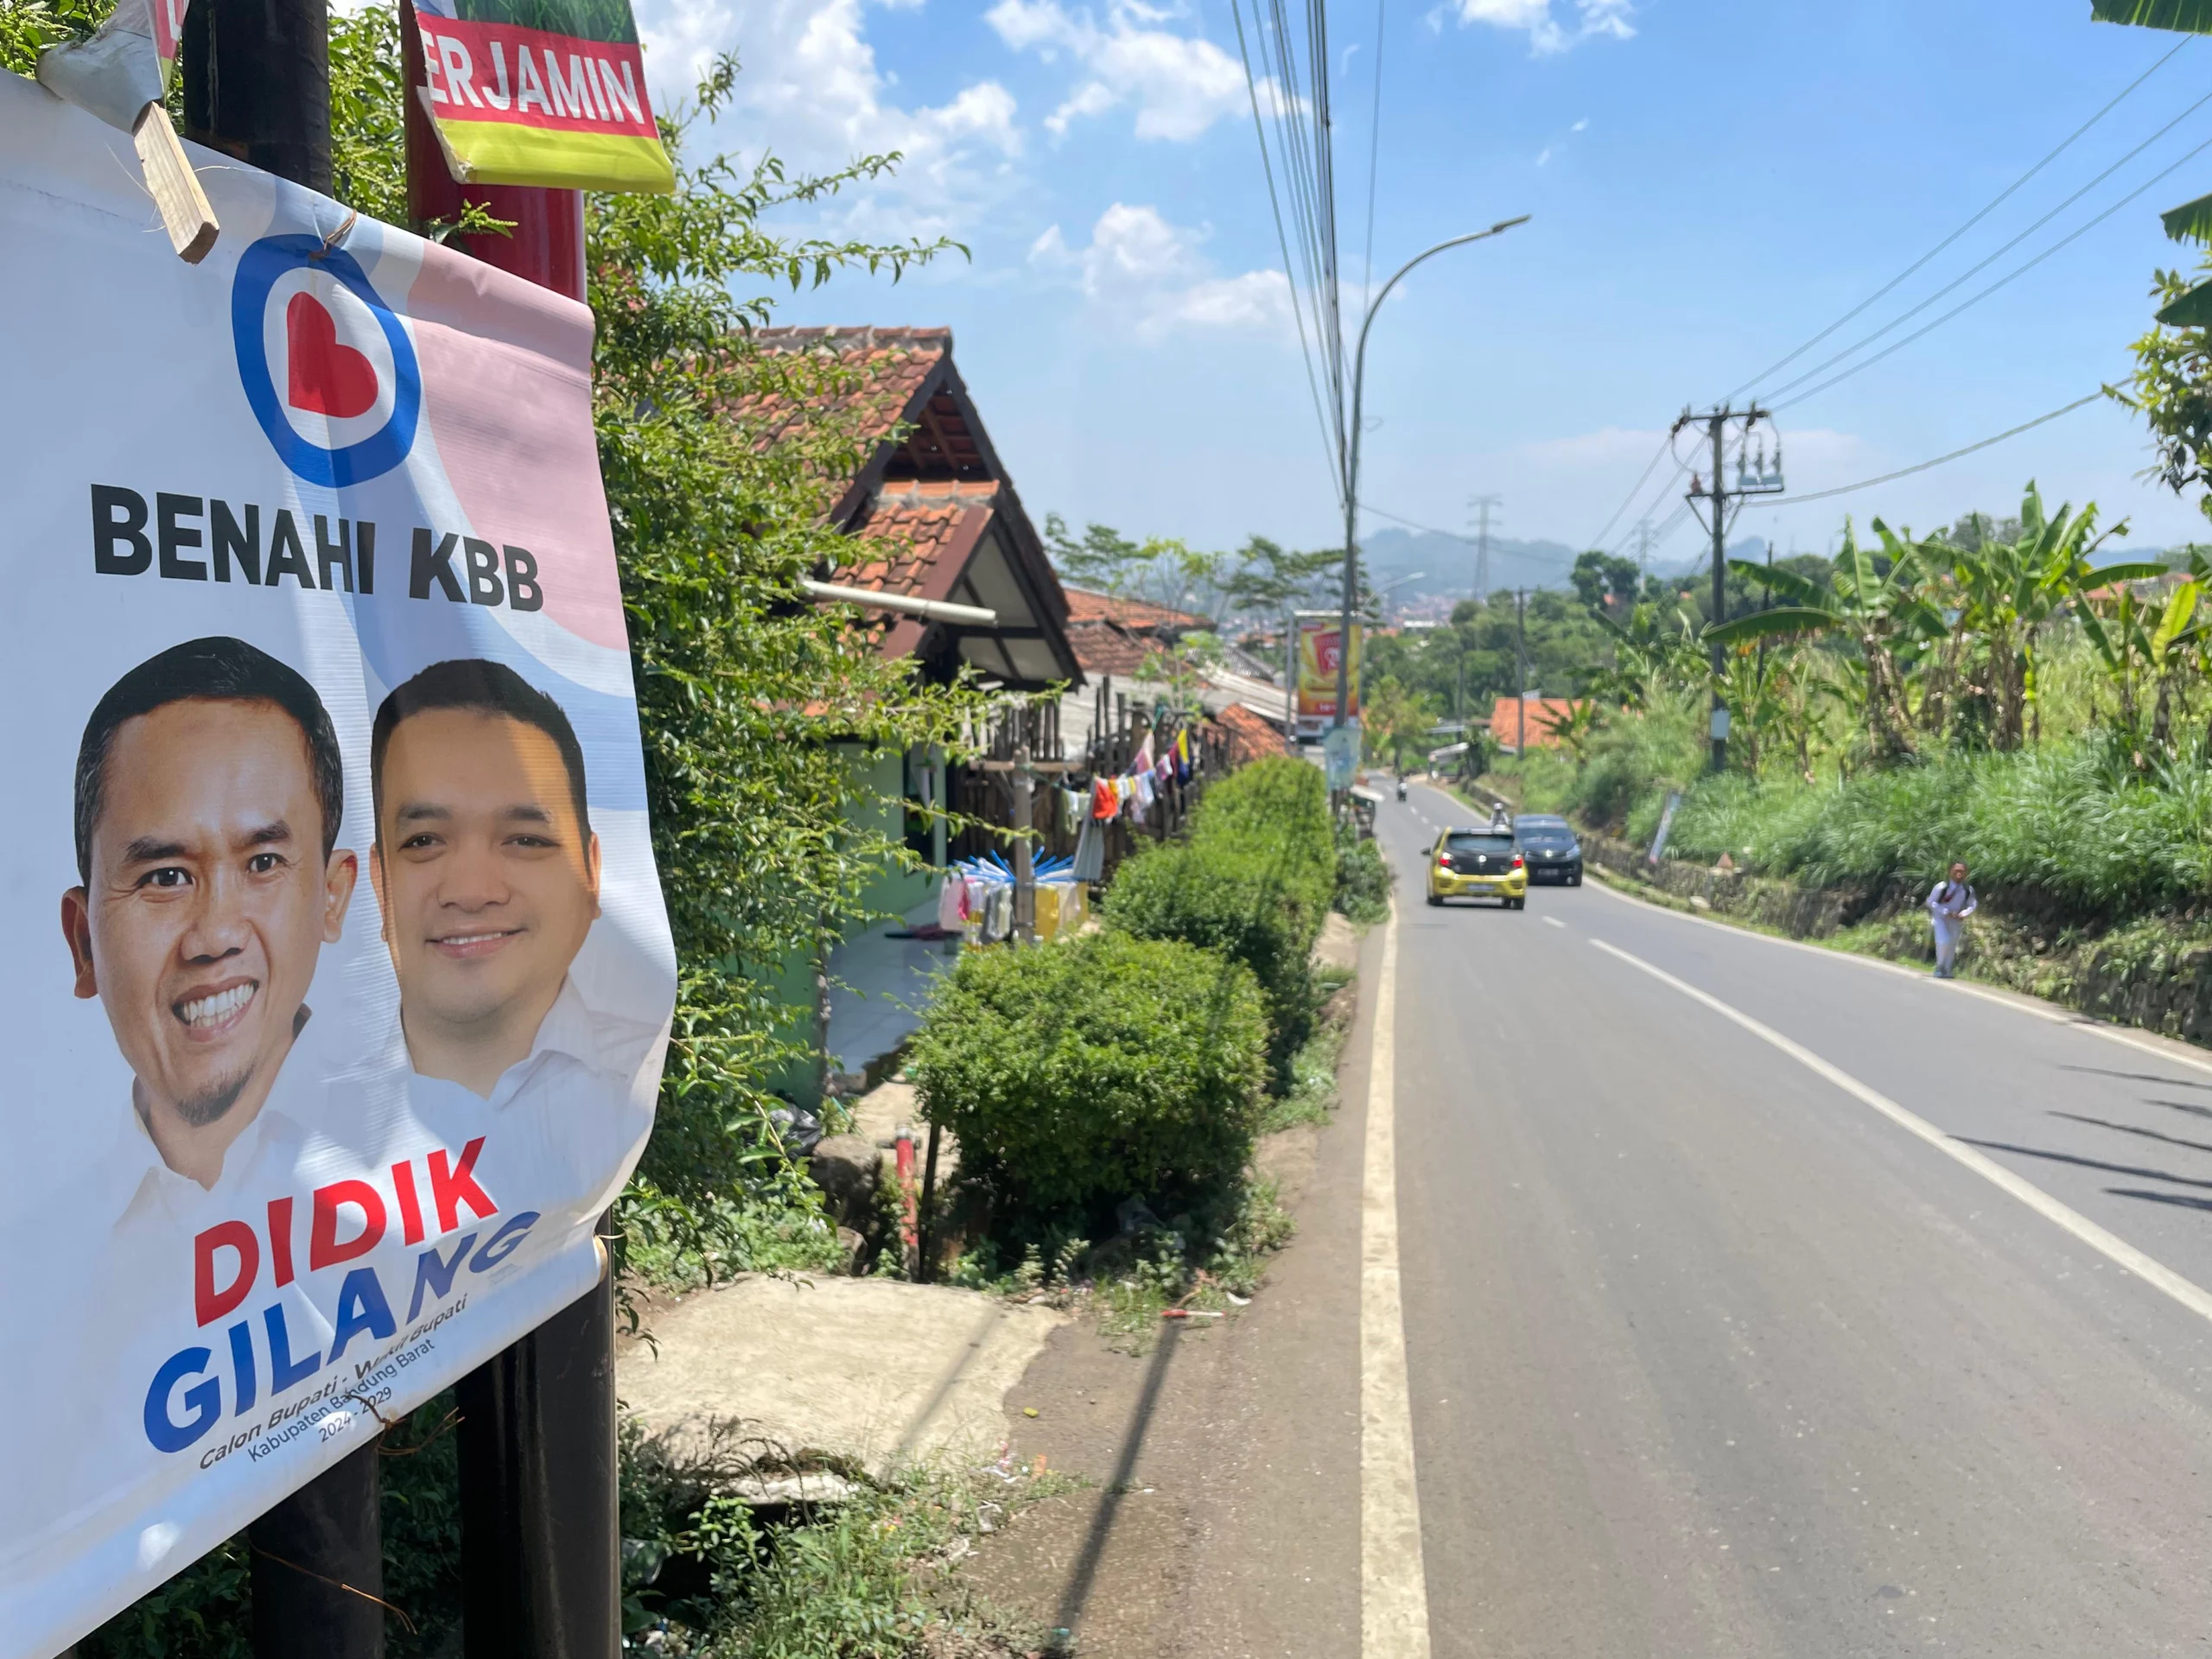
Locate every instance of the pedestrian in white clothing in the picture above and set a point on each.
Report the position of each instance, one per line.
(1948, 906)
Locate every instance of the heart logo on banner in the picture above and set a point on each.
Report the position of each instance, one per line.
(326, 376)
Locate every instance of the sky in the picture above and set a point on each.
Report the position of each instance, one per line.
(1711, 185)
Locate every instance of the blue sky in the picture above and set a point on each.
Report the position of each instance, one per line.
(1710, 184)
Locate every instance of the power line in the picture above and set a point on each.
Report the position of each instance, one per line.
(1907, 471)
(1658, 456)
(1374, 150)
(1984, 264)
(1286, 156)
(2070, 236)
(1987, 208)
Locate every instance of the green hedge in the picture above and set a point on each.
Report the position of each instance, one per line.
(1079, 1074)
(1253, 882)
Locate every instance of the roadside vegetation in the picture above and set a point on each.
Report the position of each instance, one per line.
(1108, 1093)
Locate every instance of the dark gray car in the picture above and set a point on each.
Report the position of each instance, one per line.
(1549, 845)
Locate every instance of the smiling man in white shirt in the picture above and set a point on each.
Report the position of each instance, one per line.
(209, 790)
(487, 873)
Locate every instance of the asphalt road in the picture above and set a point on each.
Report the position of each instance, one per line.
(1708, 1356)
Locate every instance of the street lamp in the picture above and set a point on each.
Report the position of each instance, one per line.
(1376, 594)
(1352, 457)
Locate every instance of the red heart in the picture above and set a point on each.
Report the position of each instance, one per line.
(328, 379)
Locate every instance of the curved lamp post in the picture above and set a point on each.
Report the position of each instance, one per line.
(1351, 458)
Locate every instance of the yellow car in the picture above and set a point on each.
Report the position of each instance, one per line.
(1478, 864)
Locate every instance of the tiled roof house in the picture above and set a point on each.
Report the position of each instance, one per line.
(934, 515)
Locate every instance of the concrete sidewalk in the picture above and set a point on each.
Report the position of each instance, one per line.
(871, 1373)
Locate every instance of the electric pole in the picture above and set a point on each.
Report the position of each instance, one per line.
(1718, 495)
(1521, 680)
(1643, 553)
(1481, 506)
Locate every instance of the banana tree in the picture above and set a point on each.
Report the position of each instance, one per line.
(1574, 726)
(2007, 592)
(2191, 222)
(1650, 652)
(1883, 607)
(2148, 645)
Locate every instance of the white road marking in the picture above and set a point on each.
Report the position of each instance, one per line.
(2113, 1248)
(1555, 921)
(2018, 1003)
(1394, 1595)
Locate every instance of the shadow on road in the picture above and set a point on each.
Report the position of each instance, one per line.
(2130, 1129)
(1101, 1524)
(2084, 1163)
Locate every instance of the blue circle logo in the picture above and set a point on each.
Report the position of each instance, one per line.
(323, 376)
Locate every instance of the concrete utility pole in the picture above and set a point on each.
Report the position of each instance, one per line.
(1715, 422)
(1481, 506)
(1352, 456)
(1643, 553)
(1521, 680)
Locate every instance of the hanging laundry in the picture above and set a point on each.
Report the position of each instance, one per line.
(1144, 791)
(1090, 852)
(952, 904)
(1104, 801)
(1070, 809)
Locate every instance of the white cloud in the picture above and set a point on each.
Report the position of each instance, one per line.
(1540, 20)
(1180, 84)
(811, 90)
(1152, 274)
(1543, 155)
(1580, 124)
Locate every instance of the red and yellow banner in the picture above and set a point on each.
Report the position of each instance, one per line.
(515, 104)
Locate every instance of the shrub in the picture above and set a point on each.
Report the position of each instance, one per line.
(1280, 805)
(1079, 1074)
(1254, 881)
(1363, 878)
(1232, 899)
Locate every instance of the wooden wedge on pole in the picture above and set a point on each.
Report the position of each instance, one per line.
(175, 188)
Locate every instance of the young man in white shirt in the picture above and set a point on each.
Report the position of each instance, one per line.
(487, 872)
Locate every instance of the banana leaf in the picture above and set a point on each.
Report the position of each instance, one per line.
(2178, 611)
(2127, 570)
(2192, 310)
(2189, 16)
(1786, 583)
(1766, 624)
(2190, 222)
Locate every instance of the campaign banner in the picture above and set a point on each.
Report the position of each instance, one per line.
(1319, 638)
(346, 978)
(541, 91)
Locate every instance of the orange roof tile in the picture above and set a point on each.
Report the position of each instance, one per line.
(1252, 735)
(1504, 724)
(1141, 614)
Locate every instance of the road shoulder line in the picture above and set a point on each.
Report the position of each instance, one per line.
(1394, 1598)
(2109, 1245)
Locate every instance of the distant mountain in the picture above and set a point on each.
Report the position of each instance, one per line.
(1447, 564)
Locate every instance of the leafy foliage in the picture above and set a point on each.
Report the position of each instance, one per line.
(1080, 1074)
(1254, 881)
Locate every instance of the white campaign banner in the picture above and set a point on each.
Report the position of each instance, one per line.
(346, 979)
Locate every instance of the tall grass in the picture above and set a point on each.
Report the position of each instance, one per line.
(2072, 821)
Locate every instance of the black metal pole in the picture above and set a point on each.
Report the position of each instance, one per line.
(539, 1513)
(318, 1568)
(256, 84)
